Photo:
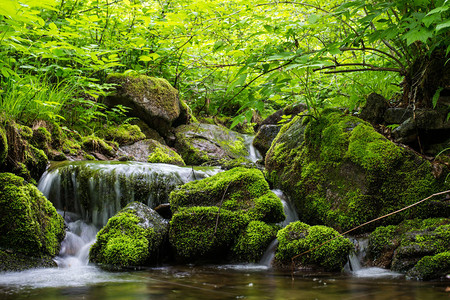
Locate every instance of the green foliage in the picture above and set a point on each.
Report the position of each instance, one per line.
(299, 237)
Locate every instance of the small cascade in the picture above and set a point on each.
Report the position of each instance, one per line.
(75, 247)
(355, 265)
(253, 153)
(98, 190)
(288, 207)
(269, 254)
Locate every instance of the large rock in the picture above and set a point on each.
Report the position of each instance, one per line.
(152, 151)
(341, 173)
(133, 237)
(3, 146)
(206, 143)
(411, 246)
(151, 99)
(297, 238)
(29, 224)
(213, 217)
(374, 109)
(264, 137)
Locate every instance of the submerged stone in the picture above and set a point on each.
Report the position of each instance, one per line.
(297, 238)
(340, 172)
(29, 223)
(205, 143)
(133, 237)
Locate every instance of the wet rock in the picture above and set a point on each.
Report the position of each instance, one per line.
(291, 110)
(397, 115)
(340, 172)
(151, 99)
(133, 237)
(29, 223)
(374, 109)
(206, 143)
(152, 151)
(263, 139)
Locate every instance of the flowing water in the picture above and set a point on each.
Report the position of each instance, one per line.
(75, 278)
(253, 153)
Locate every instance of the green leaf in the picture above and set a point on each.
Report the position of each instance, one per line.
(438, 10)
(418, 34)
(442, 25)
(436, 96)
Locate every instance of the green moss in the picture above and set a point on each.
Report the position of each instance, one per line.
(432, 267)
(3, 145)
(36, 161)
(71, 147)
(228, 164)
(340, 172)
(20, 262)
(252, 244)
(164, 154)
(124, 134)
(299, 237)
(194, 235)
(25, 131)
(96, 144)
(29, 224)
(42, 138)
(240, 189)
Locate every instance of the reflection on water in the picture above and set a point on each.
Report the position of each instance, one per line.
(210, 282)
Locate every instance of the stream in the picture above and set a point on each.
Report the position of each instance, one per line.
(75, 278)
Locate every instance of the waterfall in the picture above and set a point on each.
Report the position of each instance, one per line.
(253, 153)
(98, 190)
(269, 254)
(288, 207)
(79, 238)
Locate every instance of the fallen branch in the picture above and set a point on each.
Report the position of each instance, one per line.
(364, 224)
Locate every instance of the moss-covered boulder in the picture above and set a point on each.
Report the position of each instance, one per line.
(152, 151)
(206, 143)
(213, 218)
(42, 139)
(431, 267)
(299, 237)
(341, 173)
(151, 99)
(205, 233)
(133, 237)
(253, 242)
(29, 223)
(3, 145)
(401, 247)
(264, 137)
(123, 134)
(95, 144)
(239, 189)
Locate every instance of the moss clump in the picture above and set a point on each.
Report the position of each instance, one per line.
(400, 247)
(36, 161)
(299, 237)
(163, 154)
(3, 146)
(238, 189)
(19, 262)
(42, 139)
(340, 172)
(124, 134)
(96, 144)
(254, 241)
(431, 267)
(130, 238)
(194, 235)
(29, 223)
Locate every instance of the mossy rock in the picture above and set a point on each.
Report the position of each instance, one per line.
(13, 261)
(30, 224)
(208, 144)
(164, 154)
(123, 134)
(96, 144)
(42, 139)
(205, 233)
(239, 189)
(264, 137)
(133, 237)
(431, 267)
(151, 99)
(253, 242)
(401, 247)
(341, 173)
(3, 145)
(299, 237)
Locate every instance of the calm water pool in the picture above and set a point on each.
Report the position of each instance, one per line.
(209, 282)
